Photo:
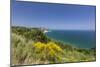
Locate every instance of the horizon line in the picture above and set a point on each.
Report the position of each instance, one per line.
(54, 29)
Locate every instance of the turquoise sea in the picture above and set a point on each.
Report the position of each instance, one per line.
(76, 38)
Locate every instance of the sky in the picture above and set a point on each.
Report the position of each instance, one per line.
(53, 16)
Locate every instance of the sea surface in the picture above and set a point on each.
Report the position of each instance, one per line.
(80, 39)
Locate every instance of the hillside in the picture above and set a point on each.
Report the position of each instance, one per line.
(32, 46)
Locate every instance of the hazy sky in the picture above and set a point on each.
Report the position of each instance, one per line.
(53, 16)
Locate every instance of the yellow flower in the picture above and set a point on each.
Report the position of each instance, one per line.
(50, 50)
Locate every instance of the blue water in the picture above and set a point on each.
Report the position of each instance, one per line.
(81, 39)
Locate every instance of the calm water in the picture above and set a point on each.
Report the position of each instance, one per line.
(81, 39)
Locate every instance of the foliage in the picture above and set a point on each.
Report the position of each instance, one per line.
(35, 34)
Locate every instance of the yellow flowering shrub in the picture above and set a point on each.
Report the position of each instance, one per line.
(51, 50)
(54, 46)
(39, 45)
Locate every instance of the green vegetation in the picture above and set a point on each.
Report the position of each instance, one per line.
(32, 46)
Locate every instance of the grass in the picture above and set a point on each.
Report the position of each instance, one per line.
(31, 46)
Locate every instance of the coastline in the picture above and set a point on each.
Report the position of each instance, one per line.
(56, 50)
